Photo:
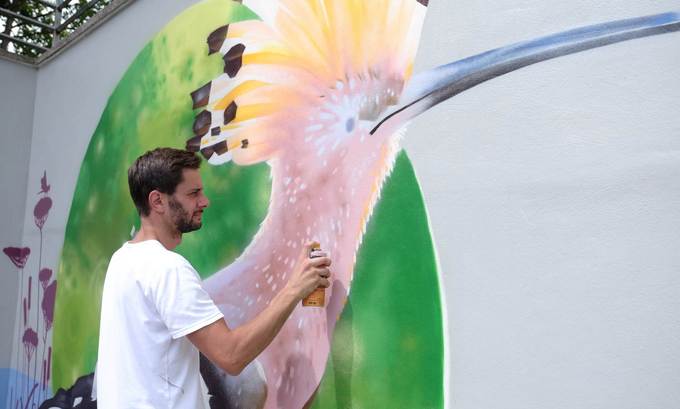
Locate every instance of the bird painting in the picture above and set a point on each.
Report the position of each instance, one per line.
(322, 91)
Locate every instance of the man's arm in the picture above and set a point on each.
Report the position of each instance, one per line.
(233, 350)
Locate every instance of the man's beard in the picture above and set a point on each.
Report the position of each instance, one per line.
(180, 217)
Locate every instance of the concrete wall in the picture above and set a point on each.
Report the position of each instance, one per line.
(554, 196)
(17, 83)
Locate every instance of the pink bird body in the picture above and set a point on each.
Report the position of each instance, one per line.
(302, 90)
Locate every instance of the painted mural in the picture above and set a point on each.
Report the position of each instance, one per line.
(394, 309)
(28, 384)
(300, 107)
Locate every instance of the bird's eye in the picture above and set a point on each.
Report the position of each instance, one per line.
(349, 125)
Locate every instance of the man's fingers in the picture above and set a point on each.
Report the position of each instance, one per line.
(306, 250)
(320, 261)
(323, 272)
(324, 283)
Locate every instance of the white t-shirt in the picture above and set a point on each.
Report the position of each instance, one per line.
(152, 298)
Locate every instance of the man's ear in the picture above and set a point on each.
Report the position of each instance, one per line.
(156, 201)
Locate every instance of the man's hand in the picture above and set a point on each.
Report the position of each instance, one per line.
(309, 273)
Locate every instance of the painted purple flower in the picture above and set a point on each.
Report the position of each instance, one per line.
(48, 304)
(40, 211)
(30, 340)
(18, 255)
(44, 276)
(44, 187)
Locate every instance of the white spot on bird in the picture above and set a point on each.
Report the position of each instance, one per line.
(314, 128)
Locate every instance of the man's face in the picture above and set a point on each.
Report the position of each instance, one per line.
(187, 203)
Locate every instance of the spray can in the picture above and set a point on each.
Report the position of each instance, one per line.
(318, 297)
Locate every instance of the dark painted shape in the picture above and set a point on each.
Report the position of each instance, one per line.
(216, 381)
(207, 152)
(244, 143)
(44, 187)
(219, 148)
(215, 131)
(202, 123)
(423, 2)
(18, 255)
(64, 399)
(216, 39)
(233, 60)
(230, 112)
(41, 211)
(194, 144)
(201, 96)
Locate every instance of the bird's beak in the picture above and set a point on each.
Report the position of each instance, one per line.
(431, 87)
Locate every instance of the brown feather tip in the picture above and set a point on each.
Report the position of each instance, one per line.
(216, 39)
(194, 144)
(219, 148)
(230, 112)
(233, 60)
(202, 123)
(201, 96)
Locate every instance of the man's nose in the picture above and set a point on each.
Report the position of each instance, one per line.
(205, 202)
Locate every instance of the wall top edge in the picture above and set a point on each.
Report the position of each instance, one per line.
(95, 21)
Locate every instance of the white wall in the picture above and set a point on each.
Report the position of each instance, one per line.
(17, 85)
(554, 196)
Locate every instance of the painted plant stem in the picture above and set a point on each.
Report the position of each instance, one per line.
(20, 330)
(37, 303)
(439, 84)
(41, 248)
(30, 395)
(18, 335)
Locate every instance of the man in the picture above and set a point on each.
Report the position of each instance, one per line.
(156, 316)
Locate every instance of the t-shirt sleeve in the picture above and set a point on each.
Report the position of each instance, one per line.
(184, 306)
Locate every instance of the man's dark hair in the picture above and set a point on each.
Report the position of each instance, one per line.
(159, 169)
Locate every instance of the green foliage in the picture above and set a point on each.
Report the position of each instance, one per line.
(42, 13)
